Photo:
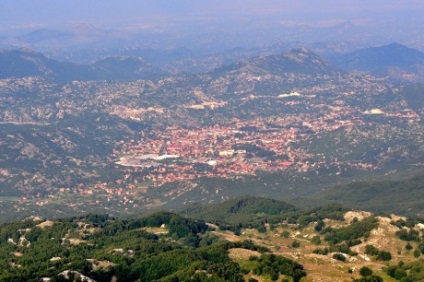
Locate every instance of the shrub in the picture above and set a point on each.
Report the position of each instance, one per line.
(318, 227)
(384, 255)
(339, 257)
(321, 251)
(262, 229)
(295, 244)
(371, 250)
(365, 271)
(285, 234)
(316, 240)
(400, 273)
(411, 235)
(421, 248)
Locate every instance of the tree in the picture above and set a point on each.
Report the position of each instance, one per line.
(384, 255)
(285, 234)
(339, 257)
(365, 271)
(296, 244)
(371, 250)
(400, 273)
(318, 227)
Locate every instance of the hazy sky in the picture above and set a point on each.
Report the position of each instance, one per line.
(110, 12)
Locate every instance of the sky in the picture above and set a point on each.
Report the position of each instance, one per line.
(18, 13)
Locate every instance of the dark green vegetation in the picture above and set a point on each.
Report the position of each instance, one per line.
(413, 271)
(378, 196)
(250, 212)
(104, 248)
(340, 240)
(367, 275)
(379, 255)
(275, 265)
(242, 212)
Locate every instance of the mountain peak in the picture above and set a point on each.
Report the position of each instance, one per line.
(300, 50)
(298, 60)
(396, 44)
(301, 55)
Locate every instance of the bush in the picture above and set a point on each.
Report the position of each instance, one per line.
(262, 229)
(274, 276)
(400, 273)
(365, 271)
(411, 235)
(339, 257)
(285, 234)
(371, 250)
(321, 251)
(371, 278)
(295, 244)
(391, 270)
(352, 232)
(384, 255)
(421, 248)
(417, 253)
(318, 227)
(316, 240)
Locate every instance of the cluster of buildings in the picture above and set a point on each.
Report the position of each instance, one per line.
(236, 148)
(225, 151)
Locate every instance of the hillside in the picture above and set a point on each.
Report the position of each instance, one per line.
(126, 69)
(402, 196)
(324, 244)
(246, 210)
(24, 63)
(27, 63)
(394, 60)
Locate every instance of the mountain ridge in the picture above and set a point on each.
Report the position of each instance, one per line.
(25, 62)
(394, 60)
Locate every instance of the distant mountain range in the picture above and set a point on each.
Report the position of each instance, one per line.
(297, 60)
(395, 61)
(24, 62)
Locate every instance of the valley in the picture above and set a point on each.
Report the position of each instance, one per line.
(211, 141)
(291, 124)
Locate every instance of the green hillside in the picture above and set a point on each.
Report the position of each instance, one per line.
(402, 196)
(268, 241)
(160, 247)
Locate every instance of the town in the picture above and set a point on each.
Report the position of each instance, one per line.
(180, 156)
